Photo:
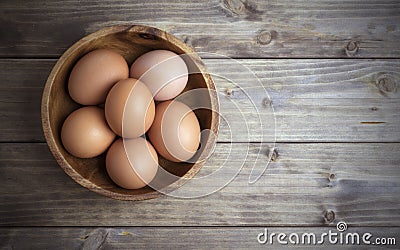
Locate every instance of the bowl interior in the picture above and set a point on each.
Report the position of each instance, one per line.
(130, 42)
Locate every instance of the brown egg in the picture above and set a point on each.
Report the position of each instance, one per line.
(133, 168)
(164, 72)
(175, 132)
(94, 75)
(132, 97)
(85, 133)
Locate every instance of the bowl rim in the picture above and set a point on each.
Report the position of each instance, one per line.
(45, 117)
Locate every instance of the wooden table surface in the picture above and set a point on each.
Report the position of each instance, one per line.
(331, 68)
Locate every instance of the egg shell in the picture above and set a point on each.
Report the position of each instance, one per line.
(175, 132)
(129, 108)
(133, 168)
(85, 133)
(94, 75)
(164, 72)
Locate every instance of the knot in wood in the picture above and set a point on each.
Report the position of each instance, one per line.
(386, 83)
(244, 9)
(96, 239)
(264, 37)
(229, 92)
(273, 154)
(236, 6)
(352, 48)
(329, 216)
(148, 36)
(267, 102)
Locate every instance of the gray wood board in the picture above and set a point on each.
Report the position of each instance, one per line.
(306, 184)
(179, 237)
(236, 28)
(313, 100)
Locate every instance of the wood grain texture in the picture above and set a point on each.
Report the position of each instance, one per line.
(313, 100)
(236, 28)
(306, 184)
(308, 187)
(171, 237)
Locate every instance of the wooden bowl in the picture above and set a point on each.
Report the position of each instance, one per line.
(130, 41)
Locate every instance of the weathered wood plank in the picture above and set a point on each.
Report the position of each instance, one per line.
(234, 28)
(178, 237)
(313, 100)
(306, 184)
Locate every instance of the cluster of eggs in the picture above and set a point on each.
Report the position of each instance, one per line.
(121, 104)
